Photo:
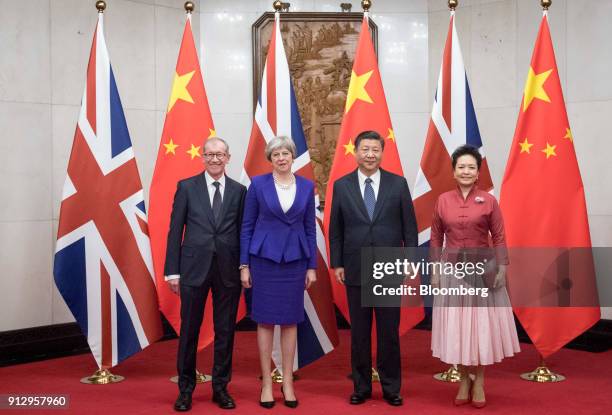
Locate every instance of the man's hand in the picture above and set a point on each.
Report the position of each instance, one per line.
(245, 277)
(339, 275)
(174, 286)
(311, 276)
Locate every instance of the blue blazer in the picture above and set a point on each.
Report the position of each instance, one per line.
(270, 233)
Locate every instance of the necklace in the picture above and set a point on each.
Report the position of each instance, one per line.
(284, 186)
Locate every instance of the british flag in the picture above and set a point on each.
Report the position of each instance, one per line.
(103, 266)
(452, 124)
(277, 115)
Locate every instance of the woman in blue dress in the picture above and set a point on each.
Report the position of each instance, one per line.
(278, 257)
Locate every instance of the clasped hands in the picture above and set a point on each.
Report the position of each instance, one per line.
(245, 278)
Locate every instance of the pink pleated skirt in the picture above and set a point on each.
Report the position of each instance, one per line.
(474, 335)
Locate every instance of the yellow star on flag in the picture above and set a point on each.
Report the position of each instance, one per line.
(525, 147)
(170, 147)
(549, 151)
(194, 152)
(568, 134)
(213, 132)
(534, 87)
(391, 135)
(179, 89)
(349, 148)
(356, 89)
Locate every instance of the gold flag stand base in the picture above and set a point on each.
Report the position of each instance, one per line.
(451, 375)
(277, 376)
(102, 377)
(542, 375)
(375, 376)
(200, 378)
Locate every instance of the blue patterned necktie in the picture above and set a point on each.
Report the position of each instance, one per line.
(369, 198)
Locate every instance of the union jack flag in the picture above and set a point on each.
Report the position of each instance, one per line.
(277, 115)
(452, 124)
(103, 266)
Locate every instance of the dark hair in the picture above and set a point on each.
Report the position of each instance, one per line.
(369, 135)
(467, 150)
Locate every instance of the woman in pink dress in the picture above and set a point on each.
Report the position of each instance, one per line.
(470, 331)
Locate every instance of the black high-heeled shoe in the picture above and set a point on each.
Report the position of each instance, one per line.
(266, 404)
(289, 404)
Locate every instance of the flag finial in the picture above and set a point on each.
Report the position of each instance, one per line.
(452, 4)
(545, 4)
(101, 6)
(278, 5)
(366, 4)
(189, 7)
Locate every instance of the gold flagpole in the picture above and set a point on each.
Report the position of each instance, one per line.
(200, 377)
(366, 5)
(451, 374)
(543, 374)
(101, 376)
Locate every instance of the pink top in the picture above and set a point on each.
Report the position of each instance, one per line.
(466, 223)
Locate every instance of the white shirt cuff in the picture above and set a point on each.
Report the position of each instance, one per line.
(172, 277)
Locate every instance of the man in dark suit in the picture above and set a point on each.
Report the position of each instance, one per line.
(370, 208)
(203, 255)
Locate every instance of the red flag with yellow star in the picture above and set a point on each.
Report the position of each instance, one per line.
(542, 196)
(365, 109)
(188, 123)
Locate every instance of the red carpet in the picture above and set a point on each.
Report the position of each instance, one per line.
(323, 387)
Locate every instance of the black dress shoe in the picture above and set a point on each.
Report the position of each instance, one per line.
(359, 398)
(266, 404)
(183, 402)
(224, 400)
(393, 400)
(289, 404)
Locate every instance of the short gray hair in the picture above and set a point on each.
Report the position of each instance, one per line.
(215, 138)
(280, 142)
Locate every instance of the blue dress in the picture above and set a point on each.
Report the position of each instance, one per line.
(278, 247)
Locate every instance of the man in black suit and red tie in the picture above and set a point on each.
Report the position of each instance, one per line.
(370, 208)
(203, 255)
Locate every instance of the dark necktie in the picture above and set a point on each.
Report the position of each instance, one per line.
(369, 198)
(216, 203)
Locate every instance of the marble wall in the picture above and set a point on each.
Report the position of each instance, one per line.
(44, 53)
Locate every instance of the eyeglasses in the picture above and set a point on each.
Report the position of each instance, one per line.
(210, 156)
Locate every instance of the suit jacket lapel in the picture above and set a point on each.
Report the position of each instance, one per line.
(272, 200)
(204, 199)
(300, 195)
(355, 192)
(383, 191)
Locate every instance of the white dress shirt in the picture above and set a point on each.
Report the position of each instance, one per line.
(211, 187)
(211, 194)
(375, 182)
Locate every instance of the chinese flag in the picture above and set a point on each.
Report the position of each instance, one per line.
(188, 123)
(542, 197)
(365, 109)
